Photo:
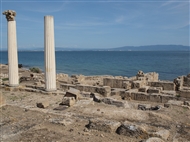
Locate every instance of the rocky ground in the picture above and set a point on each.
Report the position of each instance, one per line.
(22, 119)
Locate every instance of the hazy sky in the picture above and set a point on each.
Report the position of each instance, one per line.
(100, 24)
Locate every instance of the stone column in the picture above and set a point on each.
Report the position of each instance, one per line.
(12, 48)
(49, 54)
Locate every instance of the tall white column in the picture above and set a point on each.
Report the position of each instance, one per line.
(49, 54)
(12, 48)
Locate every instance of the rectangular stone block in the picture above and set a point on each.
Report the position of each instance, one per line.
(143, 89)
(137, 84)
(72, 92)
(128, 95)
(155, 98)
(184, 93)
(166, 98)
(68, 101)
(140, 96)
(153, 90)
(66, 87)
(166, 85)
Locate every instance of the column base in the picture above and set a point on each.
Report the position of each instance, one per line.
(13, 85)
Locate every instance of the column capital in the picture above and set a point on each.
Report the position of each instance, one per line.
(10, 15)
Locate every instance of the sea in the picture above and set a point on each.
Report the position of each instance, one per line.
(169, 64)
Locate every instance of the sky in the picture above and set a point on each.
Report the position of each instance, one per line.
(99, 23)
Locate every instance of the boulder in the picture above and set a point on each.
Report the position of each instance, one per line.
(43, 104)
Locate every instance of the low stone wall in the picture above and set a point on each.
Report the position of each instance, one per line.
(113, 83)
(166, 85)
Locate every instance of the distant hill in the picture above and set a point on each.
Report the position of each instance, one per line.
(153, 48)
(124, 48)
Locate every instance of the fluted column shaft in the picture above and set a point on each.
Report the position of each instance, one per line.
(12, 54)
(49, 54)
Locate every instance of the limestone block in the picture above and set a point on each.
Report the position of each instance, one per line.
(113, 82)
(143, 89)
(66, 87)
(153, 90)
(127, 85)
(166, 92)
(43, 104)
(187, 103)
(68, 101)
(128, 95)
(2, 100)
(163, 134)
(115, 102)
(72, 92)
(174, 102)
(186, 81)
(166, 85)
(62, 121)
(140, 96)
(103, 125)
(96, 97)
(154, 97)
(184, 93)
(166, 98)
(137, 84)
(117, 91)
(132, 130)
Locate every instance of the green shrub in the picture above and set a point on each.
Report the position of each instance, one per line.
(35, 70)
(5, 79)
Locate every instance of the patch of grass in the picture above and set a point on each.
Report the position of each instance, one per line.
(35, 70)
(5, 79)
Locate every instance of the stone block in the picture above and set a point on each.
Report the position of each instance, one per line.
(155, 98)
(115, 102)
(2, 100)
(187, 103)
(132, 130)
(72, 92)
(184, 93)
(127, 85)
(117, 91)
(137, 84)
(96, 97)
(186, 81)
(129, 95)
(140, 96)
(43, 104)
(66, 87)
(113, 82)
(163, 134)
(166, 98)
(166, 85)
(143, 89)
(103, 125)
(68, 101)
(153, 90)
(174, 102)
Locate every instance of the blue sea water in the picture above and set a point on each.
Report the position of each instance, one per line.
(168, 64)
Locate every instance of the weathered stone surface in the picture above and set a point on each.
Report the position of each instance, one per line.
(154, 139)
(113, 82)
(155, 98)
(72, 92)
(132, 130)
(166, 85)
(129, 95)
(103, 125)
(10, 15)
(187, 103)
(184, 93)
(186, 81)
(62, 121)
(2, 100)
(43, 104)
(138, 84)
(153, 90)
(115, 102)
(143, 89)
(96, 97)
(66, 87)
(116, 91)
(140, 96)
(68, 101)
(164, 134)
(166, 98)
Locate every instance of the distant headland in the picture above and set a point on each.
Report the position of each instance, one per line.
(124, 48)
